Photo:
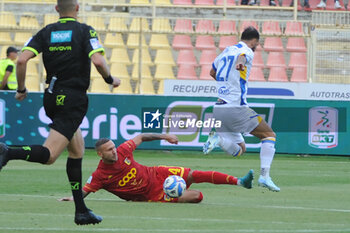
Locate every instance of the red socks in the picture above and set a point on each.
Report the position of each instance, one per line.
(213, 177)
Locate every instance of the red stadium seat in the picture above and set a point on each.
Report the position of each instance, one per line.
(207, 57)
(276, 59)
(297, 60)
(205, 42)
(183, 25)
(227, 27)
(256, 74)
(205, 26)
(258, 60)
(273, 44)
(259, 48)
(314, 3)
(186, 71)
(186, 56)
(228, 2)
(182, 42)
(271, 28)
(204, 2)
(246, 24)
(296, 44)
(294, 29)
(278, 74)
(226, 41)
(299, 74)
(205, 73)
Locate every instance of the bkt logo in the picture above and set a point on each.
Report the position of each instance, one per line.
(323, 127)
(151, 120)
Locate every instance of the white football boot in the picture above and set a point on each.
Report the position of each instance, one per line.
(268, 183)
(211, 143)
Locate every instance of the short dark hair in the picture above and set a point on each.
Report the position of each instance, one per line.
(66, 6)
(100, 142)
(11, 50)
(250, 33)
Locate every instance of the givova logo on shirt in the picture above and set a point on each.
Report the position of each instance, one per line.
(61, 36)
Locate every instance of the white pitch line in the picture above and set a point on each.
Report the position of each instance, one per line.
(286, 207)
(182, 219)
(53, 197)
(167, 230)
(217, 204)
(309, 208)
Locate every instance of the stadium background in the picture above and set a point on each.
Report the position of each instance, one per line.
(315, 190)
(156, 46)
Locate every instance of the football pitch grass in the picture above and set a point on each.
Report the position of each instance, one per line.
(314, 197)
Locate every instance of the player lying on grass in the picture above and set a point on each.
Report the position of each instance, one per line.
(121, 175)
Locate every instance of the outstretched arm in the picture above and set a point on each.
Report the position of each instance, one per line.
(71, 198)
(153, 136)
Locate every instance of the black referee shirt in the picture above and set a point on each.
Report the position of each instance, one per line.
(67, 47)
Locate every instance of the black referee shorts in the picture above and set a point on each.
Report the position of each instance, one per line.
(66, 108)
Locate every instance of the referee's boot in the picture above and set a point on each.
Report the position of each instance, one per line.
(211, 143)
(3, 155)
(86, 218)
(247, 180)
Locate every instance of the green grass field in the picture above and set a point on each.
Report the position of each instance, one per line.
(314, 197)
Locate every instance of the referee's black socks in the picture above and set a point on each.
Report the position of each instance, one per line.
(35, 153)
(73, 169)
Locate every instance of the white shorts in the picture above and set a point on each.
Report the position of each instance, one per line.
(235, 120)
(233, 137)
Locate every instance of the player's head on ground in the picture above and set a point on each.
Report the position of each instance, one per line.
(105, 148)
(251, 37)
(12, 53)
(67, 8)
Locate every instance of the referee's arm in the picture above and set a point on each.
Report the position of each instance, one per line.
(21, 73)
(101, 65)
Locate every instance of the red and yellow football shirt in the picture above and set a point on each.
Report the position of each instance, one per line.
(130, 180)
(125, 178)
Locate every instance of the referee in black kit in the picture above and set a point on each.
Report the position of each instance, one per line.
(67, 48)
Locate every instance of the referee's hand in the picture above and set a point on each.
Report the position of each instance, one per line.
(21, 96)
(116, 82)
